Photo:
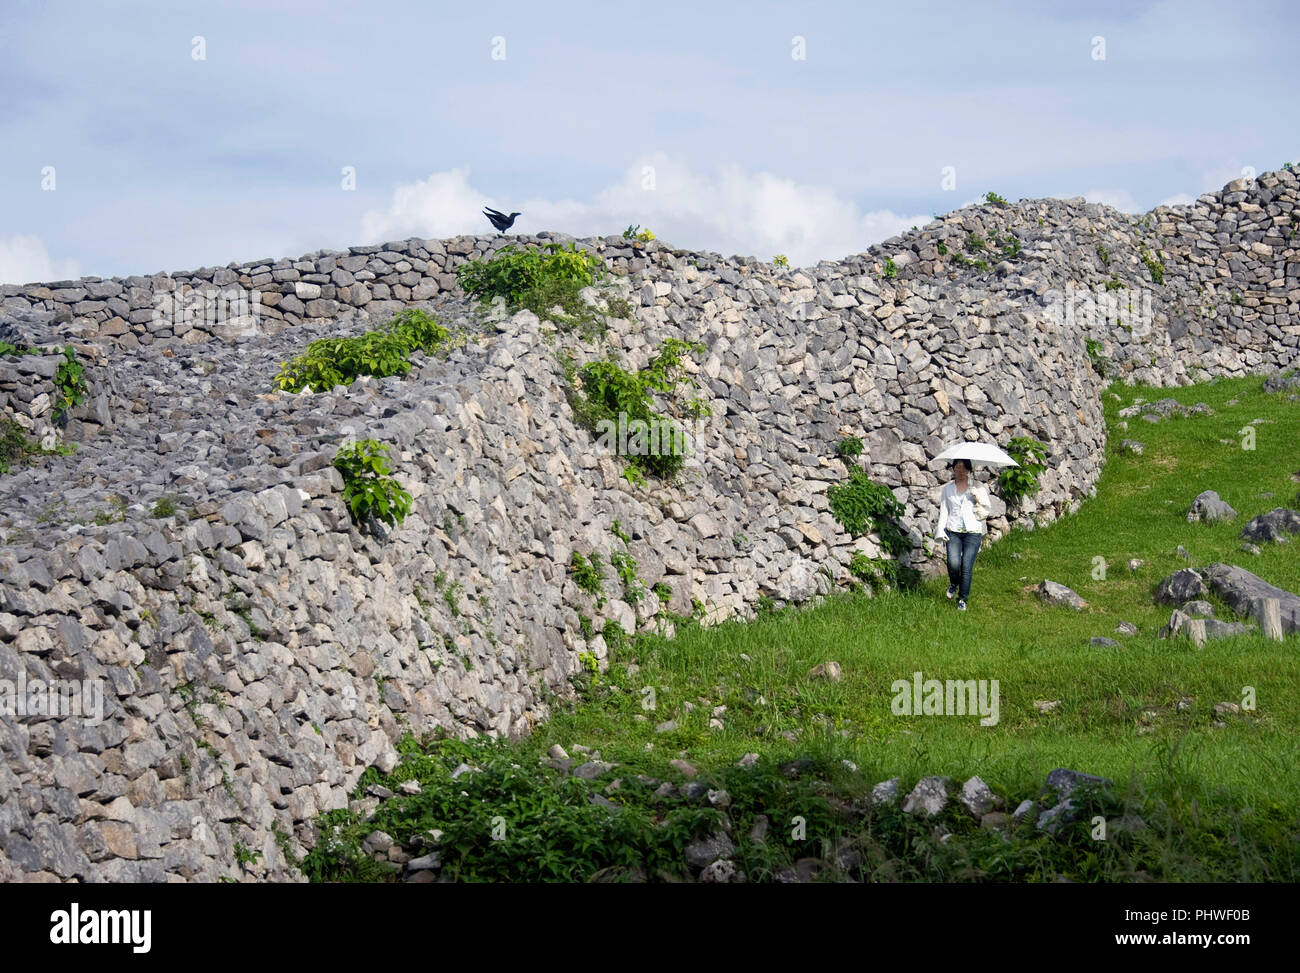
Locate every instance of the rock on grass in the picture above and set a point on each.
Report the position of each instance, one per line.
(1274, 526)
(1181, 587)
(1207, 508)
(1058, 594)
(929, 795)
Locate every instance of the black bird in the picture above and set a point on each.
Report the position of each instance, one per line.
(500, 220)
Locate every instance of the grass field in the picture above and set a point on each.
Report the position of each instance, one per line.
(1222, 801)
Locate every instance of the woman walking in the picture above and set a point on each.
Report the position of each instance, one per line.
(963, 508)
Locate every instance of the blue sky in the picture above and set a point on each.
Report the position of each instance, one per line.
(163, 162)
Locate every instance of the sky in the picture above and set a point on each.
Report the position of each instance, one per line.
(166, 135)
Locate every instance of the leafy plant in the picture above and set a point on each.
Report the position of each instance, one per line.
(515, 273)
(244, 856)
(451, 595)
(539, 279)
(164, 506)
(70, 381)
(368, 489)
(114, 514)
(964, 261)
(1018, 482)
(883, 572)
(942, 248)
(615, 638)
(1100, 364)
(1156, 268)
(69, 378)
(891, 269)
(850, 447)
(862, 505)
(588, 575)
(591, 664)
(330, 362)
(1011, 247)
(15, 448)
(781, 261)
(975, 243)
(625, 567)
(608, 399)
(619, 307)
(1103, 253)
(994, 199)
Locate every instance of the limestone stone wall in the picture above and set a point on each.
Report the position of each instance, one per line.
(254, 652)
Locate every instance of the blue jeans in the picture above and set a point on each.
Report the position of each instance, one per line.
(962, 548)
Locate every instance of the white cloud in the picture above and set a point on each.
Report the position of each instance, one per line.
(1120, 199)
(1178, 199)
(24, 260)
(730, 211)
(440, 206)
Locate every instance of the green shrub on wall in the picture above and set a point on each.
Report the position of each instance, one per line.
(862, 505)
(1017, 482)
(541, 279)
(368, 489)
(330, 362)
(618, 405)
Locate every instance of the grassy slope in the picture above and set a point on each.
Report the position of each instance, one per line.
(1034, 650)
(1224, 803)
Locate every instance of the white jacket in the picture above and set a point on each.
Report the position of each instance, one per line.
(964, 511)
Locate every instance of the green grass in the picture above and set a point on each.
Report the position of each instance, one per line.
(1035, 650)
(1224, 803)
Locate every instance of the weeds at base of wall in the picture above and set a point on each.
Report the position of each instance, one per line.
(514, 818)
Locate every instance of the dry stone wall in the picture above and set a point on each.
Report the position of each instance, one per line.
(244, 653)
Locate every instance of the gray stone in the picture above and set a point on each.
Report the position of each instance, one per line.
(592, 769)
(977, 798)
(1207, 508)
(377, 841)
(1282, 382)
(1058, 594)
(829, 671)
(929, 795)
(720, 872)
(1272, 527)
(1180, 587)
(705, 851)
(1242, 590)
(683, 768)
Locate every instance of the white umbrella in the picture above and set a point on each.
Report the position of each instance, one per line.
(977, 453)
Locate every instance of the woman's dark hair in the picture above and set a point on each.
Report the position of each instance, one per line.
(963, 462)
